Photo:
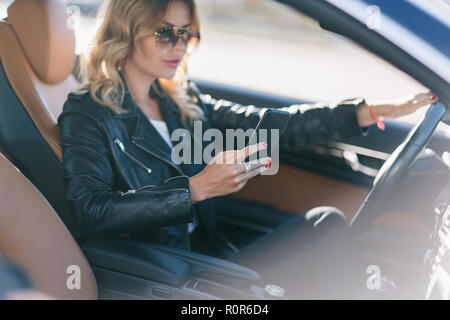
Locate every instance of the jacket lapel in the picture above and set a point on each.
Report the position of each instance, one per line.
(172, 116)
(144, 135)
(148, 137)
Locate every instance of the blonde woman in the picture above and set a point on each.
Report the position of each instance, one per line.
(118, 170)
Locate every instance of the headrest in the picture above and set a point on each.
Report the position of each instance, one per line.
(48, 44)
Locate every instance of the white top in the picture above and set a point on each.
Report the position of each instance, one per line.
(163, 131)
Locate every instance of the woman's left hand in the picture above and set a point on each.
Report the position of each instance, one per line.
(396, 108)
(411, 104)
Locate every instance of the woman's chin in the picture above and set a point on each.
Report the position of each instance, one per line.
(168, 75)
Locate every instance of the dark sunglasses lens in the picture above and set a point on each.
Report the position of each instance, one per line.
(191, 37)
(168, 39)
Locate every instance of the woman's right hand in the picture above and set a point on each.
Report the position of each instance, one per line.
(226, 174)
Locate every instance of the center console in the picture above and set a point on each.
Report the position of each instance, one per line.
(131, 269)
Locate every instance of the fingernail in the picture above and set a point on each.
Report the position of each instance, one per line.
(265, 145)
(433, 98)
(269, 160)
(268, 165)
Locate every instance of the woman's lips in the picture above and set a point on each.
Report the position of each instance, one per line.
(173, 63)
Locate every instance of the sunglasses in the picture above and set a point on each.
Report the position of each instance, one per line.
(167, 37)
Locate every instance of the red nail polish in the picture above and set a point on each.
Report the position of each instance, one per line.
(268, 165)
(433, 98)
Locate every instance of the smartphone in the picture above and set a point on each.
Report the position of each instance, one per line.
(273, 119)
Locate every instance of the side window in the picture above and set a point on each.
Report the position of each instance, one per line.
(4, 7)
(82, 18)
(268, 46)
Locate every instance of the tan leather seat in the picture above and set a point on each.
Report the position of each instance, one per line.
(33, 236)
(37, 53)
(37, 50)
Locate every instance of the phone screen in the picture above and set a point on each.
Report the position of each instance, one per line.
(269, 130)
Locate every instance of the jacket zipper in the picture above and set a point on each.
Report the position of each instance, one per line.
(122, 147)
(132, 191)
(157, 156)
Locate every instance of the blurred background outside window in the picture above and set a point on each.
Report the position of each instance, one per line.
(267, 46)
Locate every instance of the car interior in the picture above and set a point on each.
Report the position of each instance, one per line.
(38, 232)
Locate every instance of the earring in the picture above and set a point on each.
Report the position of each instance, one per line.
(120, 63)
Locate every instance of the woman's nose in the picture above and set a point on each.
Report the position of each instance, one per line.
(180, 44)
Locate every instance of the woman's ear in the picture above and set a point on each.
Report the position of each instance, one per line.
(121, 63)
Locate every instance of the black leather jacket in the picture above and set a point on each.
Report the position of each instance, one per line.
(118, 172)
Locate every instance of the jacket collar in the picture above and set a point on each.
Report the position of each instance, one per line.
(133, 109)
(144, 133)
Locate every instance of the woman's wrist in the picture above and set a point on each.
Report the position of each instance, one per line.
(196, 189)
(369, 113)
(393, 108)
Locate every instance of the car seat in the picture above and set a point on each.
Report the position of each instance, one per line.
(37, 55)
(34, 237)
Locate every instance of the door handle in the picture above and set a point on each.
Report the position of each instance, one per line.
(351, 158)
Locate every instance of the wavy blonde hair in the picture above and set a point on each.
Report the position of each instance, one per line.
(123, 24)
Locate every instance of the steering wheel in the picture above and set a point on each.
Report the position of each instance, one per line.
(396, 167)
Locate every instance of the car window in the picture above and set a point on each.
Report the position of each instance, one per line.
(3, 7)
(267, 46)
(264, 45)
(82, 19)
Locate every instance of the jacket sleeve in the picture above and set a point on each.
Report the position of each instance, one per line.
(89, 181)
(310, 124)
